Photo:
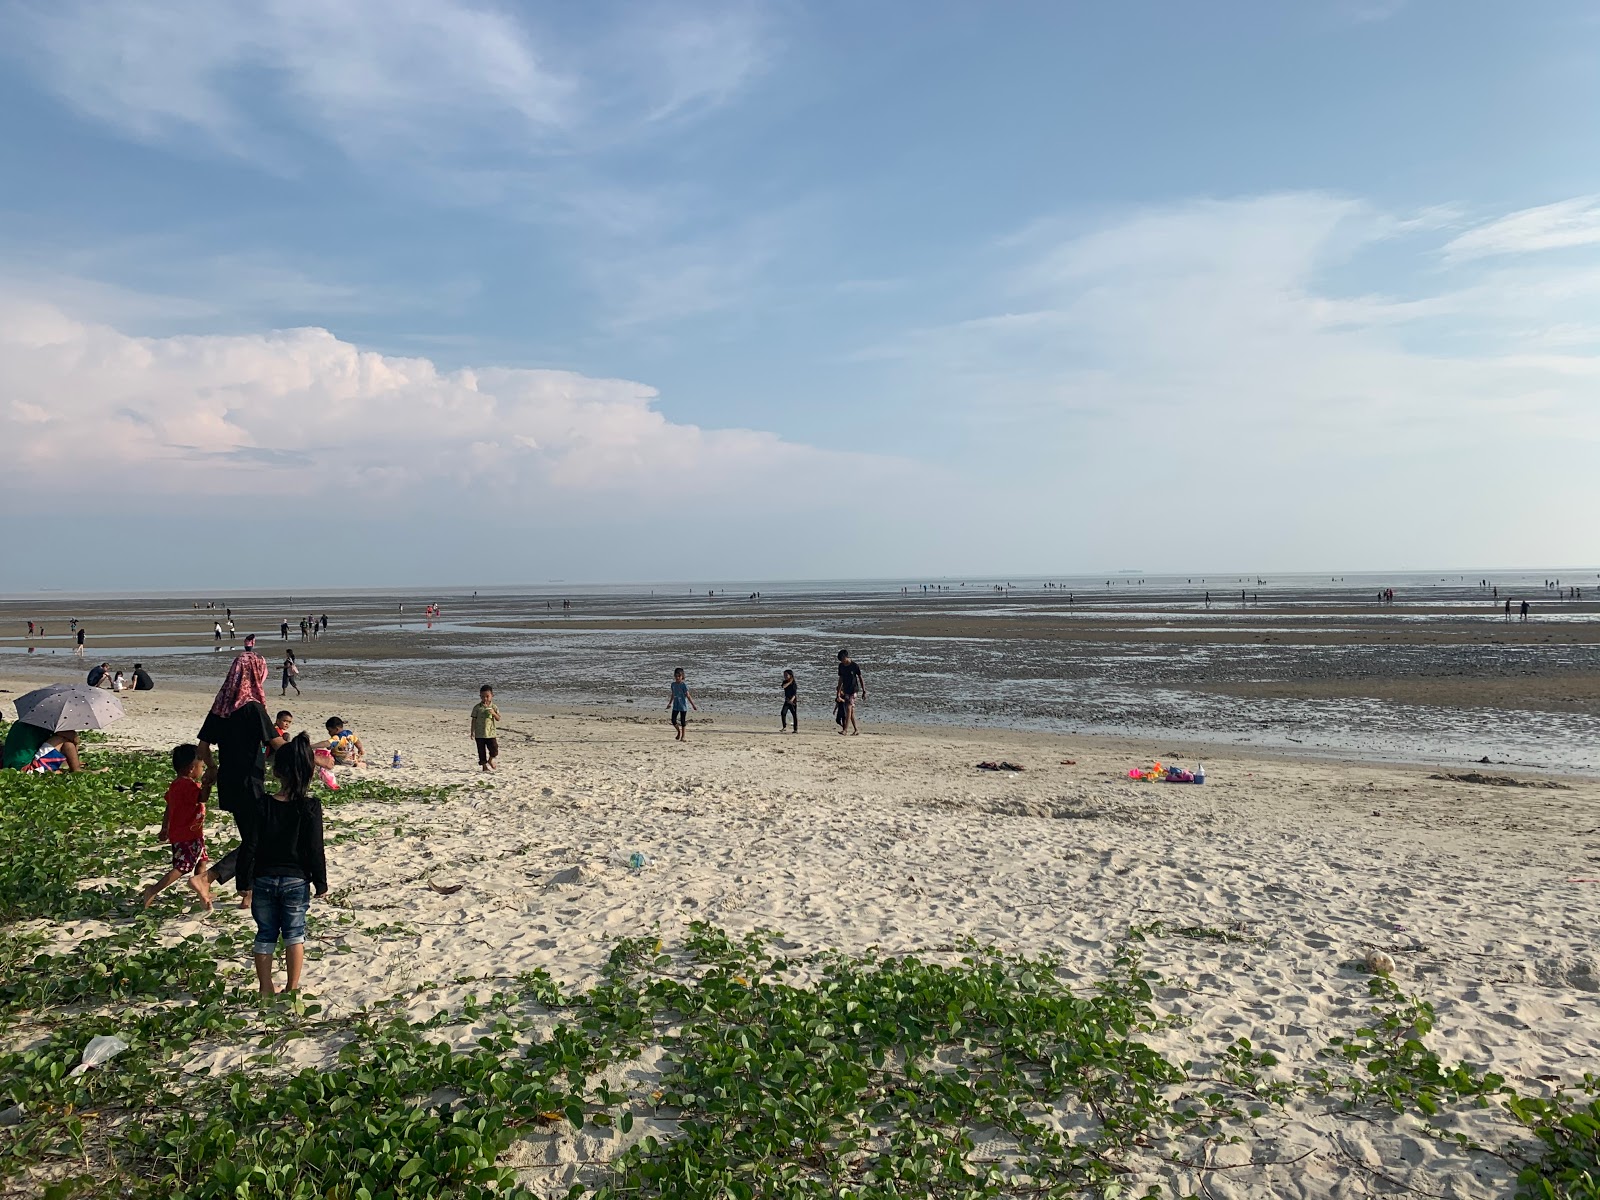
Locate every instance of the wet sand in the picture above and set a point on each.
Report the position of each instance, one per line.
(1438, 676)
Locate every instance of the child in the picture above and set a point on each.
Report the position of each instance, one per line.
(184, 826)
(282, 721)
(485, 723)
(282, 862)
(791, 703)
(344, 745)
(841, 708)
(680, 704)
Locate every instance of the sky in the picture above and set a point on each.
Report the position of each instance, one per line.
(413, 292)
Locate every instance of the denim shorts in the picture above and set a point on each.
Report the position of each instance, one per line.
(279, 903)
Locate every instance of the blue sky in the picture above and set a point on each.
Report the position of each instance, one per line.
(511, 292)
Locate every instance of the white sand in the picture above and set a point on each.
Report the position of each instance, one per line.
(893, 839)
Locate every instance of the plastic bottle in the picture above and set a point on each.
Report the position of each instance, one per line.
(396, 762)
(1199, 772)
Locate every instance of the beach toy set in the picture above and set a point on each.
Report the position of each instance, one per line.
(1161, 774)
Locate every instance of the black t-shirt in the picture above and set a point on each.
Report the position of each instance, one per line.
(142, 681)
(850, 678)
(241, 767)
(791, 690)
(96, 674)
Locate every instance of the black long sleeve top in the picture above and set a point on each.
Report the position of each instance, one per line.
(286, 840)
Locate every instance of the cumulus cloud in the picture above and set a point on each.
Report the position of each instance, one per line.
(300, 412)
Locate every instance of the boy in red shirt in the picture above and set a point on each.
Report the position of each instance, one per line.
(184, 826)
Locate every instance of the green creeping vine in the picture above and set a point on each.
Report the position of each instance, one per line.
(875, 1080)
(862, 1077)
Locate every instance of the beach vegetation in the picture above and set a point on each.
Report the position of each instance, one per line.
(966, 1072)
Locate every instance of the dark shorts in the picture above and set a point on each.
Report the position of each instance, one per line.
(487, 748)
(680, 718)
(279, 904)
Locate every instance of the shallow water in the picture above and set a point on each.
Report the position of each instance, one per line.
(735, 658)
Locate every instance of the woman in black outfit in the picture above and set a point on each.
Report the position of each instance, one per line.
(239, 726)
(791, 703)
(282, 861)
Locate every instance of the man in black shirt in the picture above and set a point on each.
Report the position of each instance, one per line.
(141, 679)
(854, 687)
(96, 674)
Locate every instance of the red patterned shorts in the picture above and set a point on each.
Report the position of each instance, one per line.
(187, 856)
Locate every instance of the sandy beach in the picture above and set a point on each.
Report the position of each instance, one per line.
(895, 840)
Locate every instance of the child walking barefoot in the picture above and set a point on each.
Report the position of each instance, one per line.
(283, 861)
(486, 728)
(680, 704)
(184, 826)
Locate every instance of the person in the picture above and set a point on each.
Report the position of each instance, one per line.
(116, 682)
(791, 703)
(97, 675)
(216, 632)
(239, 728)
(854, 687)
(324, 622)
(282, 723)
(141, 679)
(841, 708)
(680, 704)
(21, 744)
(283, 861)
(283, 630)
(1524, 610)
(57, 752)
(485, 726)
(343, 744)
(291, 674)
(184, 826)
(79, 650)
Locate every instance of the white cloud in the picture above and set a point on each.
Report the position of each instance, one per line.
(1564, 225)
(1216, 321)
(369, 76)
(457, 88)
(300, 412)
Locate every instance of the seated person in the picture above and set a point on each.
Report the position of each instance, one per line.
(343, 744)
(141, 679)
(58, 752)
(22, 743)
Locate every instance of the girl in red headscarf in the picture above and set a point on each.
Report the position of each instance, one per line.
(242, 731)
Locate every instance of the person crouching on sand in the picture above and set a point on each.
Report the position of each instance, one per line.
(486, 728)
(184, 826)
(343, 744)
(680, 704)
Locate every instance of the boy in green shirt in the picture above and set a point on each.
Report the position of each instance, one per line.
(485, 725)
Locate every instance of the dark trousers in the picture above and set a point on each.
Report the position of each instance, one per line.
(226, 867)
(487, 748)
(790, 709)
